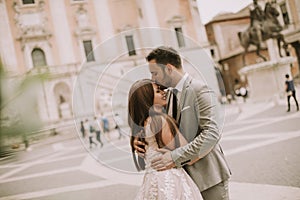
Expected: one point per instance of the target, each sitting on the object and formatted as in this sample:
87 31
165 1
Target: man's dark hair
165 55
287 76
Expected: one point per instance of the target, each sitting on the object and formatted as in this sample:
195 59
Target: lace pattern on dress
173 184
169 188
153 191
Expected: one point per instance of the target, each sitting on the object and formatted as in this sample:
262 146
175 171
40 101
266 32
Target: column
62 31
150 37
8 55
108 48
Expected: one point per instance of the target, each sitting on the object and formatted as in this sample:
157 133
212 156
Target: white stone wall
63 47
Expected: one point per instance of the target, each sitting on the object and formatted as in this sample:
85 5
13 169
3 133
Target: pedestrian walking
105 127
291 92
97 129
82 129
91 134
119 122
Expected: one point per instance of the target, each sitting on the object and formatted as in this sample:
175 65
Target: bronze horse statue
269 28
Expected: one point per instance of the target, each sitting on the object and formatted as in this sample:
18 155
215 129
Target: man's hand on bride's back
164 161
139 147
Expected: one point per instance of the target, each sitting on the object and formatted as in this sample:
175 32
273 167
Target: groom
196 116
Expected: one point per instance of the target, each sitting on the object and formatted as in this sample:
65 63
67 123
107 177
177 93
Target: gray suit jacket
198 124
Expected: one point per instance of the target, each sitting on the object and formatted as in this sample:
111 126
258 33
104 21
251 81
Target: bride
149 124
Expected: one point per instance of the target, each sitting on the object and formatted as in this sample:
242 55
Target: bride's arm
169 141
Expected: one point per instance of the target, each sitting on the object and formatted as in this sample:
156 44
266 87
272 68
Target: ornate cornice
84 27
31 21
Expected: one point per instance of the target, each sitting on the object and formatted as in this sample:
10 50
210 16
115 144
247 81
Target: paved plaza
260 140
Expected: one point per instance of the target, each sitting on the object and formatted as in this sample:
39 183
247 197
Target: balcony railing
68 69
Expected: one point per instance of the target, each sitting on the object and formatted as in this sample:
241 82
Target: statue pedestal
266 79
65 111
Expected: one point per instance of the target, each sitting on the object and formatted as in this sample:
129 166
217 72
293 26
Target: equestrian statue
264 25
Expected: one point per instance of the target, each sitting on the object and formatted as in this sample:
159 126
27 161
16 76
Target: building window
285 14
28 2
88 49
130 45
38 57
179 36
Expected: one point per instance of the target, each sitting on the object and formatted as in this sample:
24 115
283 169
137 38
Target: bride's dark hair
140 107
140 100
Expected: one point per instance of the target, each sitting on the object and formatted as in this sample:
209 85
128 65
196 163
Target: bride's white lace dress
172 184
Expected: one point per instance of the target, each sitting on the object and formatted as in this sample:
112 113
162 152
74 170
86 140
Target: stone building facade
61 37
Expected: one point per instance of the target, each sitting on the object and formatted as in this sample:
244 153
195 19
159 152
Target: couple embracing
175 137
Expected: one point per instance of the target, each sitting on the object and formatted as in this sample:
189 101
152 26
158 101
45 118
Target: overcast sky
209 8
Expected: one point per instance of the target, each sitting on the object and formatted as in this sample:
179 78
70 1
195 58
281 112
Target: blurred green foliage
19 107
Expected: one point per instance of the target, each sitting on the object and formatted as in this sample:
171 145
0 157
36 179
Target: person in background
105 127
291 92
119 122
97 129
91 134
82 129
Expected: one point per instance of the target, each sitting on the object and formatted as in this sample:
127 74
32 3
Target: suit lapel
183 96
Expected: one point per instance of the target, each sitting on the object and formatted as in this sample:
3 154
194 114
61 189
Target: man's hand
139 147
164 161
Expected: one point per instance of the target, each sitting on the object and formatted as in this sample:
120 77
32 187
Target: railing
67 69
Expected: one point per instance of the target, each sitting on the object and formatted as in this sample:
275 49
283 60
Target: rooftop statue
264 25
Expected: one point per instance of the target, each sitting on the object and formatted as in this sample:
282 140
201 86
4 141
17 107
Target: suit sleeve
207 112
